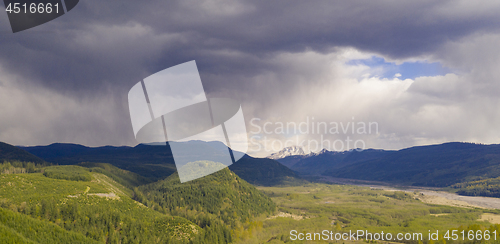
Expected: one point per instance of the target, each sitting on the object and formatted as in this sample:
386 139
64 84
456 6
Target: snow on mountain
311 154
288 151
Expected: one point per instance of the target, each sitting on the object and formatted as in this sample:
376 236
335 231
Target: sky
425 72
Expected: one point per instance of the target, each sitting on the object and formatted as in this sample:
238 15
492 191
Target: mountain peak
288 151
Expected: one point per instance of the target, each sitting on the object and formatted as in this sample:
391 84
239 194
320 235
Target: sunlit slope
121 176
100 209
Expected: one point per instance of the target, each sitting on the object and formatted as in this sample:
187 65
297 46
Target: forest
489 187
58 204
98 203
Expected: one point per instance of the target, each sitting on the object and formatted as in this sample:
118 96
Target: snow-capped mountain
322 151
288 151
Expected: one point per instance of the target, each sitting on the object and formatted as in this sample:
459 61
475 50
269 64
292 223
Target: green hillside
68 172
219 202
88 201
99 209
123 177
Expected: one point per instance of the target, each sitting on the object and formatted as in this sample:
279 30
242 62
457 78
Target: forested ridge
157 163
87 205
484 187
222 201
439 165
99 209
19 228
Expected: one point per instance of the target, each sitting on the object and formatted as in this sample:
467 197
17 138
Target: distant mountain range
156 162
434 165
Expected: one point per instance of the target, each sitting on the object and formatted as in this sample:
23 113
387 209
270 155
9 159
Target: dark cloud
102 48
118 42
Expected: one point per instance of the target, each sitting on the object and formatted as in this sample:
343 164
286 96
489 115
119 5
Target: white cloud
430 109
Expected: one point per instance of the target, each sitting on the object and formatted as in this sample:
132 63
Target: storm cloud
67 80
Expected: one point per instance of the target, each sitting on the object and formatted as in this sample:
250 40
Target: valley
249 122
340 208
436 195
310 207
254 201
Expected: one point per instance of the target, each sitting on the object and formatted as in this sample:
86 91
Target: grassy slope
32 190
69 172
123 177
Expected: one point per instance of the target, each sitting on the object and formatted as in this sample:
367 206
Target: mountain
290 161
149 161
288 151
312 163
223 194
318 163
434 165
156 162
12 153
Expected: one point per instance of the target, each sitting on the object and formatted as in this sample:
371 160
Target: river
434 194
